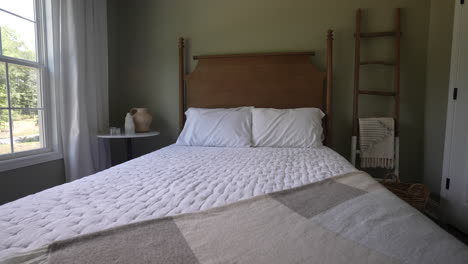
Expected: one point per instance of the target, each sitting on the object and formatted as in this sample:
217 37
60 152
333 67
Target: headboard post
181 83
328 108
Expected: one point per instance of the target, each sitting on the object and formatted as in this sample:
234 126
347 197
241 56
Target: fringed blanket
377 142
346 219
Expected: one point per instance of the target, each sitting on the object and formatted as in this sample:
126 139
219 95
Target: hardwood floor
456 233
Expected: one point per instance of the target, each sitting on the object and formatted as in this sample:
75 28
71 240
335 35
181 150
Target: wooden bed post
181 83
329 112
396 77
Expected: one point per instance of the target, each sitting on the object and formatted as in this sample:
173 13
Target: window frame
51 149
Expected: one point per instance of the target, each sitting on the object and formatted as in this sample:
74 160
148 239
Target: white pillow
217 127
295 128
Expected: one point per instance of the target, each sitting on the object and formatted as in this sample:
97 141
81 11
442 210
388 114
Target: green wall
18 183
143 68
143 55
438 71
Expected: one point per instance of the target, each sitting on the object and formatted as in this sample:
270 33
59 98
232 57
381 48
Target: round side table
128 139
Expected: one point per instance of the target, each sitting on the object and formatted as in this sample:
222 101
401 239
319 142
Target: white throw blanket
377 142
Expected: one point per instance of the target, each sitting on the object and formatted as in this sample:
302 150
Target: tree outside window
21 107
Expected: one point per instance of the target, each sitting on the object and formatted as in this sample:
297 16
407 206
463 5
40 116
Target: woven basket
415 194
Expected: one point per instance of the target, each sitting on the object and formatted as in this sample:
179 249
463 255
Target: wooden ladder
396 35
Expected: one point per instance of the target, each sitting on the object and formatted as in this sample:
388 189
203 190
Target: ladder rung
377 34
377 93
377 62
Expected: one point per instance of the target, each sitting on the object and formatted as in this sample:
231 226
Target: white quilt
170 181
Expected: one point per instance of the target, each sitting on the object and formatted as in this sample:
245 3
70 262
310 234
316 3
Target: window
24 106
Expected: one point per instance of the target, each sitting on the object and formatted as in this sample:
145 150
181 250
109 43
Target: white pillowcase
294 128
217 127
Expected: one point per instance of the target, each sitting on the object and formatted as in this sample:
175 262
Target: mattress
167 182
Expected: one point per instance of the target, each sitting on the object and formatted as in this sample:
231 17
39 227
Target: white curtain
80 58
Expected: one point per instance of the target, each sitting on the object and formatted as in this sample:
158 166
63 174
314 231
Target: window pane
24 8
3 89
18 37
26 129
5 146
24 86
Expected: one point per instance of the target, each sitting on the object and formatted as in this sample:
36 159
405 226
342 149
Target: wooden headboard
271 80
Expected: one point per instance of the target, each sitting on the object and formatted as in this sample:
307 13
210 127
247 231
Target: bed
185 204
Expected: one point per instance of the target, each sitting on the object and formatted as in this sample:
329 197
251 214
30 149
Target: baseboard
433 209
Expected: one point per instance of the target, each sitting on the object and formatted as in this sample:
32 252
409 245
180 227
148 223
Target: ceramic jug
142 119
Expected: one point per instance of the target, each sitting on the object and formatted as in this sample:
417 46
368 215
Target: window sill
19 162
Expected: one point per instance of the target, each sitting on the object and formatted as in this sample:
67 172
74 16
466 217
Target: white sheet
170 181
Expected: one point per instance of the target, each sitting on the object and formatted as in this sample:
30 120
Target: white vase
129 125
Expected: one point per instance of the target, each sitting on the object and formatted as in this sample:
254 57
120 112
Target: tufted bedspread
167 182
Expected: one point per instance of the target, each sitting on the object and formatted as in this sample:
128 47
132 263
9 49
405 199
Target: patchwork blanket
345 219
